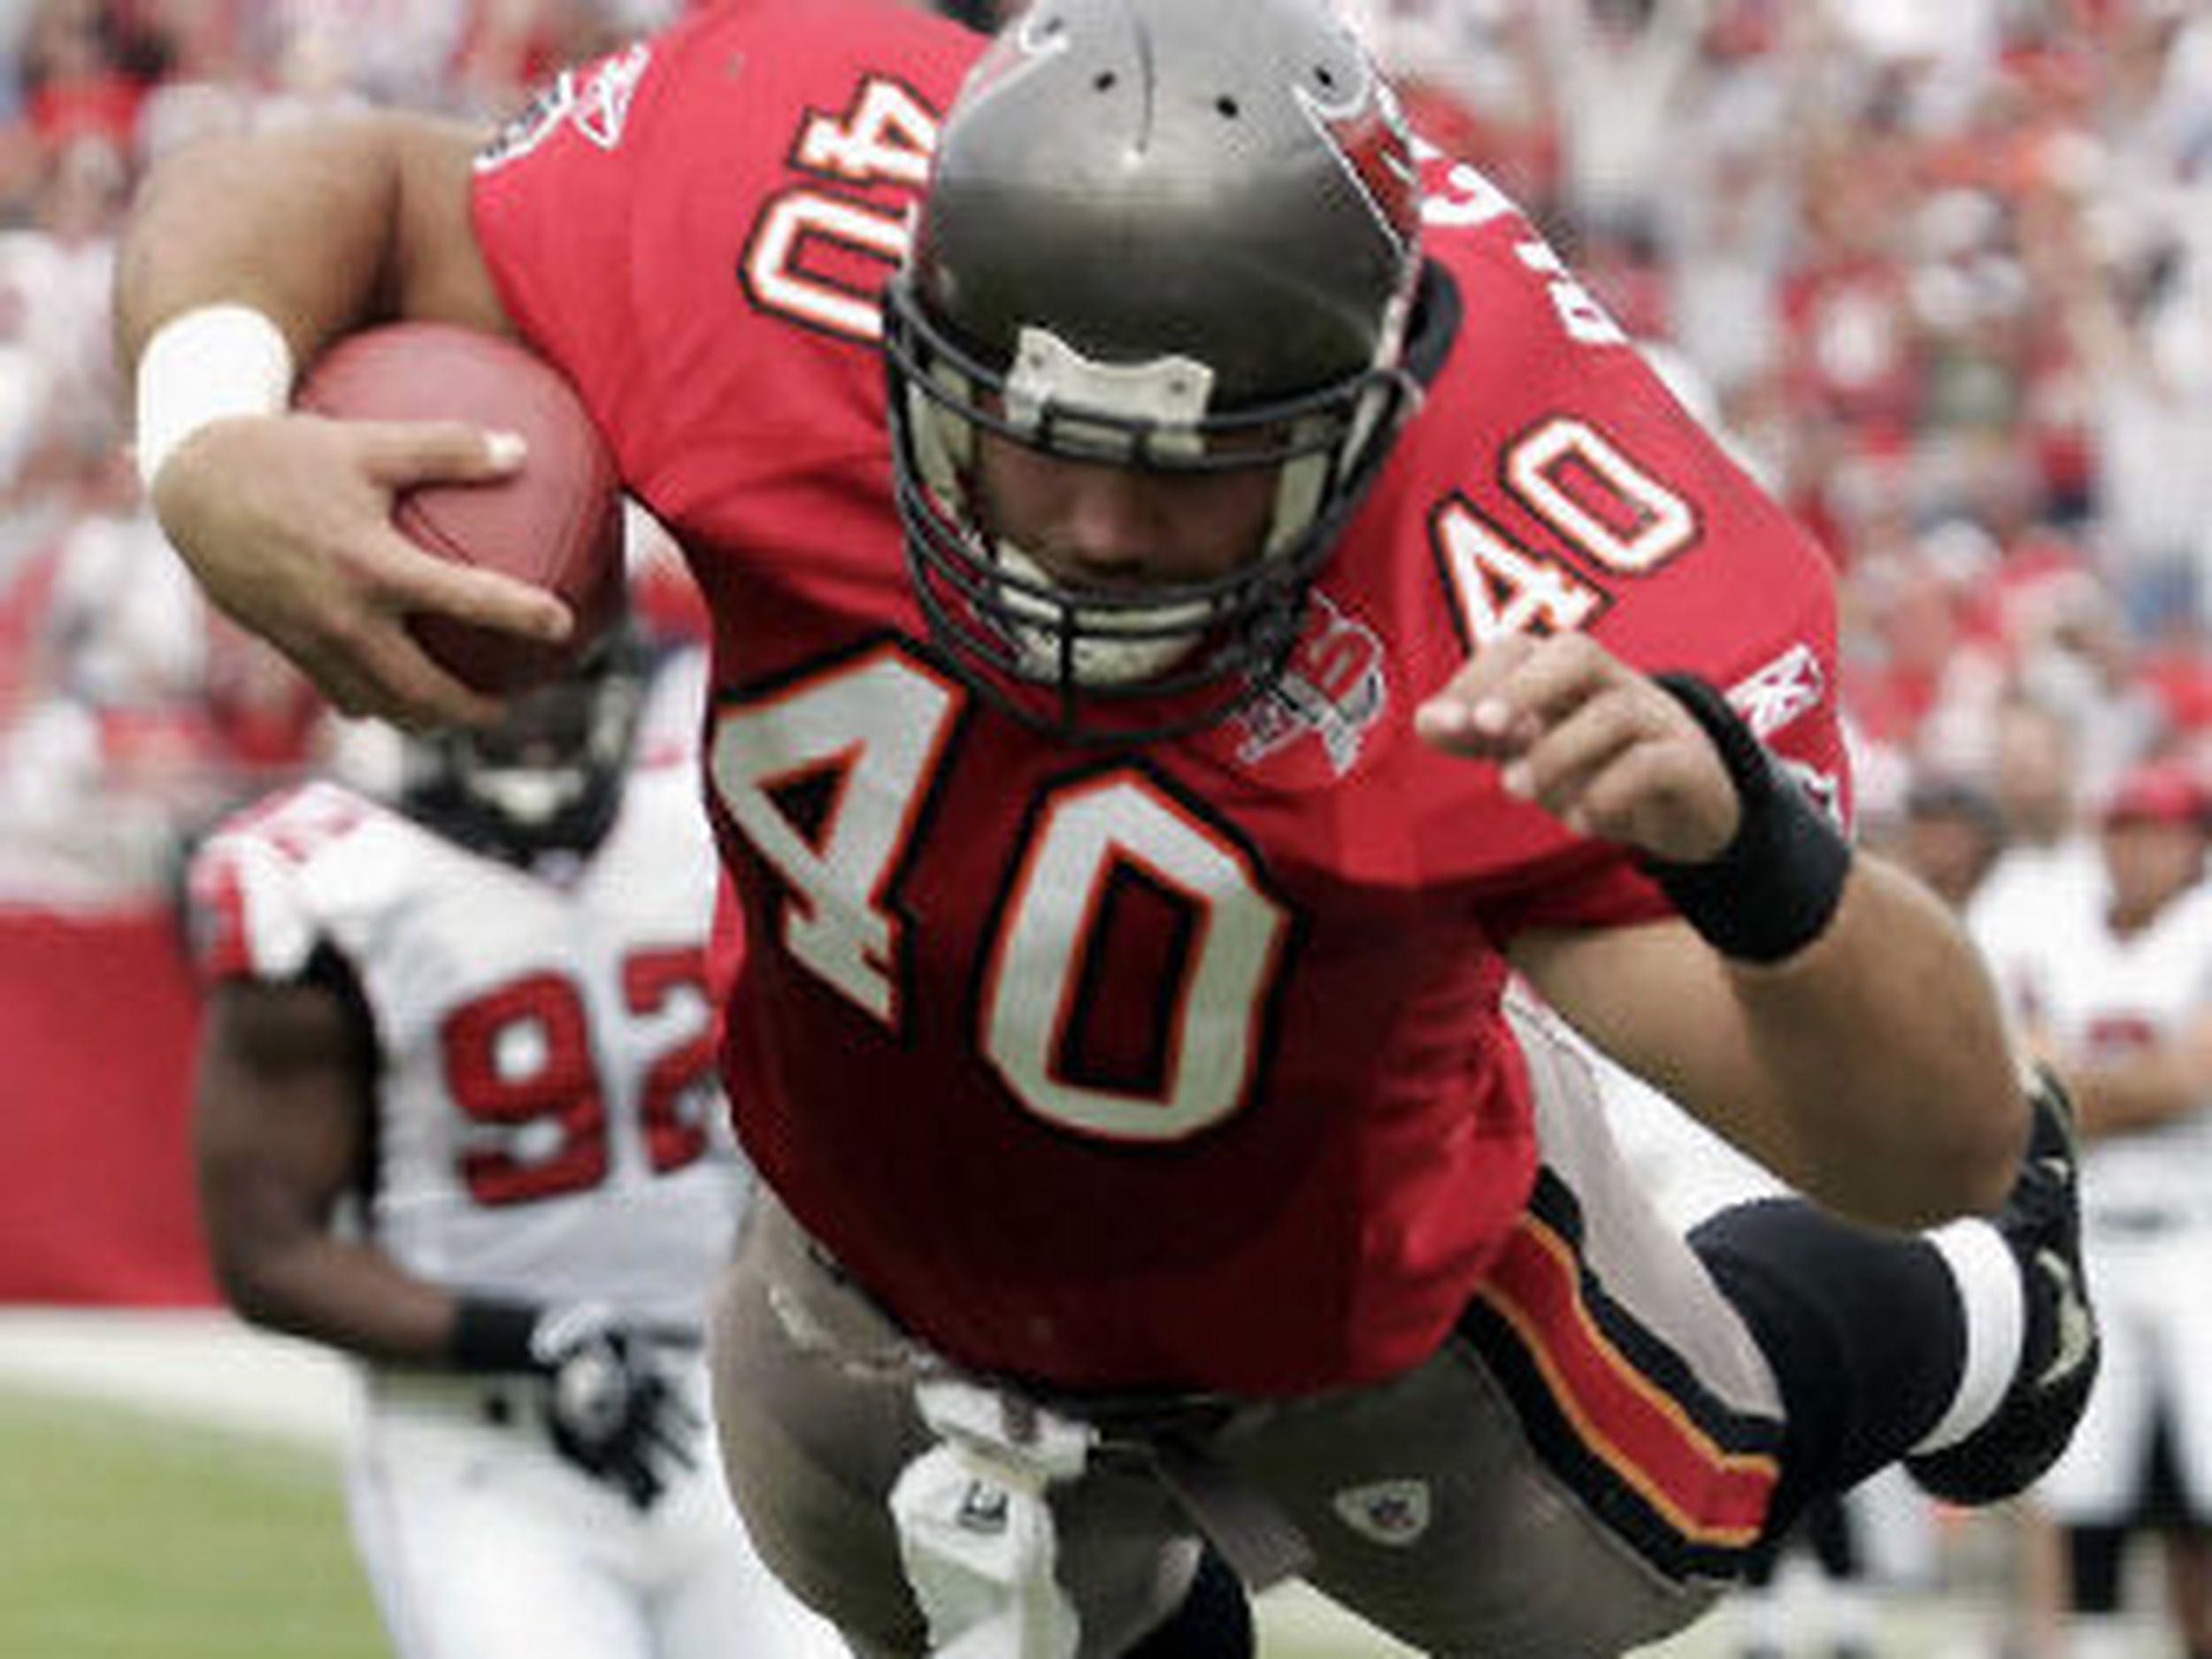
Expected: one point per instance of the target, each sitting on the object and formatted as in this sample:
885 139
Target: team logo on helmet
1040 33
1367 128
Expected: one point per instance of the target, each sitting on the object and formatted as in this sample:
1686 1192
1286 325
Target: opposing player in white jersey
2050 853
2113 977
457 1116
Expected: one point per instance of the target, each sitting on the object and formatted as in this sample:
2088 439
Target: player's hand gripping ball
556 522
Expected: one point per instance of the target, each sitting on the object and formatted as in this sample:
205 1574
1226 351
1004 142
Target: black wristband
491 1335
1774 888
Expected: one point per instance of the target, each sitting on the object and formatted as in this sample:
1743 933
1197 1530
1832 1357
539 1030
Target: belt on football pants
1163 1431
1167 1433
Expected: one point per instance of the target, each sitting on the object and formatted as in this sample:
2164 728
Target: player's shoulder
297 825
662 842
287 871
1570 415
662 783
1561 484
1517 299
778 142
322 847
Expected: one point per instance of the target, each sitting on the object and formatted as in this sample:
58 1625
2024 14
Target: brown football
557 522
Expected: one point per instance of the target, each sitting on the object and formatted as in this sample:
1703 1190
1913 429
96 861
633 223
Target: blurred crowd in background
129 716
1941 275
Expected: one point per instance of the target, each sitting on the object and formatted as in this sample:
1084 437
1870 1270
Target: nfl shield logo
1392 1512
982 1508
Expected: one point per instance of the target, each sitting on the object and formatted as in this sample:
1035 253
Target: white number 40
871 734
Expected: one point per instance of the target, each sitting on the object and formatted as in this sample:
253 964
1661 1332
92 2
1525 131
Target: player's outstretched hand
612 1410
1600 746
287 522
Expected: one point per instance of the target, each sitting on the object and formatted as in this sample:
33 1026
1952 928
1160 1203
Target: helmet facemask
994 604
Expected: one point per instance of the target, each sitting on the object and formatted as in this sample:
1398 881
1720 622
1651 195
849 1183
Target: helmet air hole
1225 107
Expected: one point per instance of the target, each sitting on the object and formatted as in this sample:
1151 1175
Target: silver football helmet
1165 235
547 779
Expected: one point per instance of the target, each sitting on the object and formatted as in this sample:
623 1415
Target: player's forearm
321 230
1883 1060
2142 1092
298 229
343 1295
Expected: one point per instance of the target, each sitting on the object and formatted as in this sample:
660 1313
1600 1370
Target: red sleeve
551 204
658 224
1653 539
1592 885
1564 488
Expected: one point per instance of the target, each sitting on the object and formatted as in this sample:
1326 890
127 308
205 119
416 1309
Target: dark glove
610 1409
613 1412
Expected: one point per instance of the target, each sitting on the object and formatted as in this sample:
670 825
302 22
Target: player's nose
1106 527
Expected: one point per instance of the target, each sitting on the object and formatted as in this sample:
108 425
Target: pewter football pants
1577 1471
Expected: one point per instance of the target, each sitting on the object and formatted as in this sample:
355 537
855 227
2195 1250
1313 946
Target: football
557 522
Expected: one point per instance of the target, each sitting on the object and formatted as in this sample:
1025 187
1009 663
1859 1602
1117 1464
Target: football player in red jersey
1266 649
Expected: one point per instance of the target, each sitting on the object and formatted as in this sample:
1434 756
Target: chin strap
975 1524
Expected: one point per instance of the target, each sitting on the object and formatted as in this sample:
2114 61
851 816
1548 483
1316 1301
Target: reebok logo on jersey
1334 689
531 125
596 100
1770 697
603 107
1392 1512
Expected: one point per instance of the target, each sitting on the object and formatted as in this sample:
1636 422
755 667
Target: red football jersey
1178 1067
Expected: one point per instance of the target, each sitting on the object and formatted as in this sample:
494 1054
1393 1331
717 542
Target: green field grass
129 1535
132 1536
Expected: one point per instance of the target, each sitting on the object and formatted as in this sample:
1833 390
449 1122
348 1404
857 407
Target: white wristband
206 365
